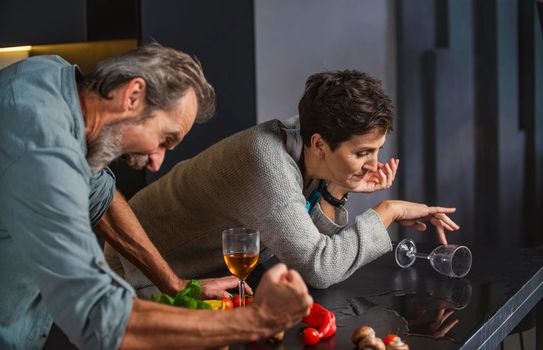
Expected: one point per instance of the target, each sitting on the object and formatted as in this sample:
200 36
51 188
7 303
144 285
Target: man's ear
318 145
134 95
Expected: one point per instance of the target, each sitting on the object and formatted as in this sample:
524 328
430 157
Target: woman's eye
362 154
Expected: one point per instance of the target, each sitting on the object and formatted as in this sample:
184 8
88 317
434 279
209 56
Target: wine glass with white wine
240 248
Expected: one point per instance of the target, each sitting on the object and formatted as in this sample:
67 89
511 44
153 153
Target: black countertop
502 286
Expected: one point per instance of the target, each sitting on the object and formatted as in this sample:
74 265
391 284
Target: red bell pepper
323 319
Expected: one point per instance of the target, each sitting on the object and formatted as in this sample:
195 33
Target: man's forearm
122 230
156 326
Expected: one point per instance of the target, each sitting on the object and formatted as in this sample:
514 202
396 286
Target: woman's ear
318 145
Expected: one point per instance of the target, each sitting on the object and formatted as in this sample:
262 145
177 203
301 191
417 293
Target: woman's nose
371 164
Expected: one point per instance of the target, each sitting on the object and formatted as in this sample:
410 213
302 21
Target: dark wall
221 35
331 35
111 20
470 123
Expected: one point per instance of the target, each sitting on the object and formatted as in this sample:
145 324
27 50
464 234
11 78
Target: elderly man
59 132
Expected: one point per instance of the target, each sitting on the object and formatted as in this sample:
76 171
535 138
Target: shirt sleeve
44 196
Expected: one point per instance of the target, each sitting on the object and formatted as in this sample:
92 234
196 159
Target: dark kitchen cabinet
36 22
26 22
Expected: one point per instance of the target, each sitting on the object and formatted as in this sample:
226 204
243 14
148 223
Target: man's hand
411 215
282 298
379 180
217 287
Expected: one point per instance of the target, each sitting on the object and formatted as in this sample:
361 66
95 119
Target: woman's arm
324 259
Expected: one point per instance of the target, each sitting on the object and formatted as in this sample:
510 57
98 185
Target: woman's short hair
338 105
168 74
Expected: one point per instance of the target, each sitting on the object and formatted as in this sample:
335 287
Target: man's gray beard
106 149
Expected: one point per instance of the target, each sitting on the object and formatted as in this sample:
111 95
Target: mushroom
371 343
361 333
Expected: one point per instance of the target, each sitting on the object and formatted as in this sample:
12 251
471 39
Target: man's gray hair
168 74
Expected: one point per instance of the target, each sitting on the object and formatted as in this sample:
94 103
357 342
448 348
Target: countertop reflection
428 310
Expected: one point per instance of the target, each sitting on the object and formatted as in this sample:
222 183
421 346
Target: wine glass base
405 253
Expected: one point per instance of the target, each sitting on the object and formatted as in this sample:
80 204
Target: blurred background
466 78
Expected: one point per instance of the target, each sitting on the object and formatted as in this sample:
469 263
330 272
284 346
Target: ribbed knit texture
249 179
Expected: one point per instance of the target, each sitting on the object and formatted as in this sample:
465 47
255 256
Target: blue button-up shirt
52 268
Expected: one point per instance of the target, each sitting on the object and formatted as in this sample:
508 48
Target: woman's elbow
318 281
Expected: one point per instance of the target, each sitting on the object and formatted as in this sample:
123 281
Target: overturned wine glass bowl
450 260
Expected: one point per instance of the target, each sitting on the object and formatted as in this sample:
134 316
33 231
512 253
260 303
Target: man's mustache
135 160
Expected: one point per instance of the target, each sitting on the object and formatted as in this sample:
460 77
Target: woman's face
353 158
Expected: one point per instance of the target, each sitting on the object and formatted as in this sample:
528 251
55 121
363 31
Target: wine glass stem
241 294
422 256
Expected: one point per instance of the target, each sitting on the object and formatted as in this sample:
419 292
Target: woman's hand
411 215
379 180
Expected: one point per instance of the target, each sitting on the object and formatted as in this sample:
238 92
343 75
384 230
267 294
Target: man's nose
155 160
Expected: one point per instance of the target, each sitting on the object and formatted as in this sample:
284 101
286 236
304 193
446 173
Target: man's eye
166 143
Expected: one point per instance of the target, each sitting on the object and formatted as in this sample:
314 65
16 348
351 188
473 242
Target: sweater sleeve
322 259
323 222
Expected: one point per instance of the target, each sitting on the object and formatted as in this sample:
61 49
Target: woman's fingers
447 227
441 234
437 222
448 221
390 175
446 315
448 327
383 178
394 165
417 225
436 210
375 178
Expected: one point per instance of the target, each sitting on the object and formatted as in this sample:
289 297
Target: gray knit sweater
250 179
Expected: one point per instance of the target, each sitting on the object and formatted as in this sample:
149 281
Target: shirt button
101 263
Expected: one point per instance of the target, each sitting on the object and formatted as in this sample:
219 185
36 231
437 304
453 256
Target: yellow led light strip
15 49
